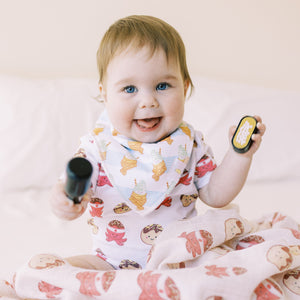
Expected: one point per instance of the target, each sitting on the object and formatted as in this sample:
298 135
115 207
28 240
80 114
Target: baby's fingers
62 206
260 125
261 128
231 131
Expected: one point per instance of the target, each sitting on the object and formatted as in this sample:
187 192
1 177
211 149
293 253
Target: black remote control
79 172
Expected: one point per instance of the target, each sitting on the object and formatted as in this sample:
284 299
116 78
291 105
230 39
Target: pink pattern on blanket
88 282
157 287
50 290
196 239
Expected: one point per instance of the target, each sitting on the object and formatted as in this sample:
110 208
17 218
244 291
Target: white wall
251 41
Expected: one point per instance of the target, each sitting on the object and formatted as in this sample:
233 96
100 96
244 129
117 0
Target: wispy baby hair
136 32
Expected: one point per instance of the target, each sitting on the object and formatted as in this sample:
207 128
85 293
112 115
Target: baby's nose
148 101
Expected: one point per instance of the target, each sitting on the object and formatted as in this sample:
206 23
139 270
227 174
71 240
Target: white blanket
218 255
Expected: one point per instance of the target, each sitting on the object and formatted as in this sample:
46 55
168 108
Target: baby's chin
150 138
144 136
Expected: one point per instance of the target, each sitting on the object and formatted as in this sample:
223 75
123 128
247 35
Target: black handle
79 172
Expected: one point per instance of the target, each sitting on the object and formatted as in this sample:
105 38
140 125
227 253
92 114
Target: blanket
218 255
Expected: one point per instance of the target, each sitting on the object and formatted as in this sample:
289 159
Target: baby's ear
186 87
102 92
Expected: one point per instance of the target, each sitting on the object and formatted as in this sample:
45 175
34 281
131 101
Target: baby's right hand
63 207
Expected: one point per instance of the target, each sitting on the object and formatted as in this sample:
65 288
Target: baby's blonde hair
136 32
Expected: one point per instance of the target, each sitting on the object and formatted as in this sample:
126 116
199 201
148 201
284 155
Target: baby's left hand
256 138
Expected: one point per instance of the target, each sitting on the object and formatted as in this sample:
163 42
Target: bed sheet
28 226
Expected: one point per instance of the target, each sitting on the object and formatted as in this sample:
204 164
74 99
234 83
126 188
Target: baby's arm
229 177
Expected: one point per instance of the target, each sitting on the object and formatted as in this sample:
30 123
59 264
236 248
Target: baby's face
144 95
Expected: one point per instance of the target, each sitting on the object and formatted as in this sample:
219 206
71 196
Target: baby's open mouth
148 123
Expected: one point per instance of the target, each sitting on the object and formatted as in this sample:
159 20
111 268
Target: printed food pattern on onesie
115 231
95 228
185 179
187 200
204 165
150 233
102 178
121 208
80 153
167 202
129 265
96 207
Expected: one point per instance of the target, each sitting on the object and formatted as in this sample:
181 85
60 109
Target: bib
143 173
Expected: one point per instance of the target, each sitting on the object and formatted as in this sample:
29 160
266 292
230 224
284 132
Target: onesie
138 189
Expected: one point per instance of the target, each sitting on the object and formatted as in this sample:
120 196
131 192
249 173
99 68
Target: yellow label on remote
244 132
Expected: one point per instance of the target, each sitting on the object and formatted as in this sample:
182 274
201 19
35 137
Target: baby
145 158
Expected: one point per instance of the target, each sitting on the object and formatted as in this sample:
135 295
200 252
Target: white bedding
42 120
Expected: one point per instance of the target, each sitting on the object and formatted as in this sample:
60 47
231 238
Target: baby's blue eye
162 86
130 89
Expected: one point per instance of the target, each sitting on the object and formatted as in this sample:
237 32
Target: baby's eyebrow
125 81
130 80
170 77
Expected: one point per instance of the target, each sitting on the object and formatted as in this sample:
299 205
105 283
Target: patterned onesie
140 188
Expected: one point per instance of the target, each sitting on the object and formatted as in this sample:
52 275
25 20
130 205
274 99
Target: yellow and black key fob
241 140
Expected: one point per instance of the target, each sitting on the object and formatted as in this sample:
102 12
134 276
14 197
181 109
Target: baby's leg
89 262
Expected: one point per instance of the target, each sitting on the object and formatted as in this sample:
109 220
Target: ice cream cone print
137 146
97 130
138 200
95 227
158 170
159 165
127 164
115 132
182 154
102 155
80 153
139 195
185 129
169 140
103 149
